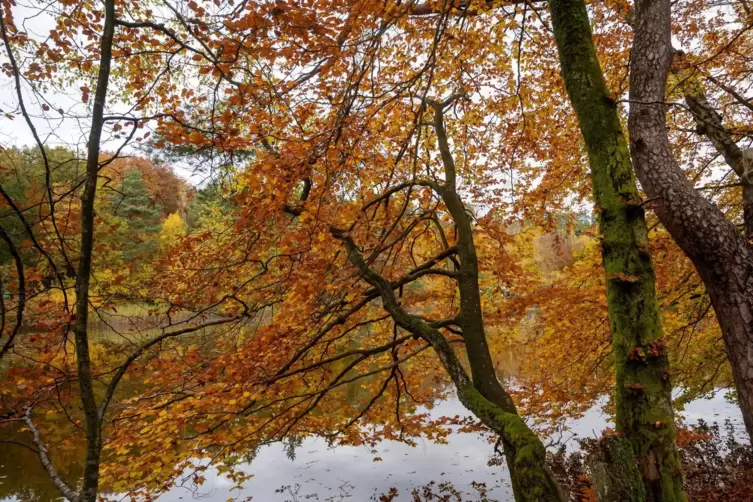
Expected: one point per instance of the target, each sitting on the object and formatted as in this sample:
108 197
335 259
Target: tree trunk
525 455
643 390
614 474
532 481
530 477
722 256
93 419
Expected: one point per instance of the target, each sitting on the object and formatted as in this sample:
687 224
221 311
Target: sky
70 130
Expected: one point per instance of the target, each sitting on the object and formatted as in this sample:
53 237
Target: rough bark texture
643 393
720 253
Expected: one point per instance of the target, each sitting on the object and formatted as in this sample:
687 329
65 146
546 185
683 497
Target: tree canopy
530 205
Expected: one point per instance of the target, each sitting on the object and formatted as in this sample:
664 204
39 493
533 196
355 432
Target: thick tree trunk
722 256
614 474
643 393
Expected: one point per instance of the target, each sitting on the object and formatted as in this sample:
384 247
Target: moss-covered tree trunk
643 394
532 480
525 454
615 476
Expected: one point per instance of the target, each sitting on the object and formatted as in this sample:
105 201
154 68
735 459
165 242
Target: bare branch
59 483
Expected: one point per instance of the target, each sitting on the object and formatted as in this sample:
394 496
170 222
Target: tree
172 229
644 400
134 203
56 227
303 264
719 251
473 331
208 199
363 237
168 191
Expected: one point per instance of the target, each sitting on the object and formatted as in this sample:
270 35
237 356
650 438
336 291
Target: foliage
173 228
717 465
210 202
134 205
394 188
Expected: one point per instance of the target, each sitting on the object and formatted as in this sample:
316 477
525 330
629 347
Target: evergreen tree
134 204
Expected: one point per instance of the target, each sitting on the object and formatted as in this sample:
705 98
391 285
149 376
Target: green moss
643 394
615 476
526 455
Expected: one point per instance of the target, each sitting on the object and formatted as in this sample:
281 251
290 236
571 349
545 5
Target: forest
510 239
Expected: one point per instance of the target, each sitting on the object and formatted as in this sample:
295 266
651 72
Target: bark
643 390
93 423
470 317
44 458
92 419
722 256
471 322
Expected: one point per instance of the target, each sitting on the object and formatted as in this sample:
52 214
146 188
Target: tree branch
59 483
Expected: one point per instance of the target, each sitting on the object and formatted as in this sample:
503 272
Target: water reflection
319 473
22 477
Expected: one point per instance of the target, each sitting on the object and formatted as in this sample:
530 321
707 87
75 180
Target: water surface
320 473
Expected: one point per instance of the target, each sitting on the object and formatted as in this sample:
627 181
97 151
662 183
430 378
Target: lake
320 473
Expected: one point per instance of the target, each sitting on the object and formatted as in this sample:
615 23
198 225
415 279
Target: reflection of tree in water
292 493
440 492
433 491
290 444
22 475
